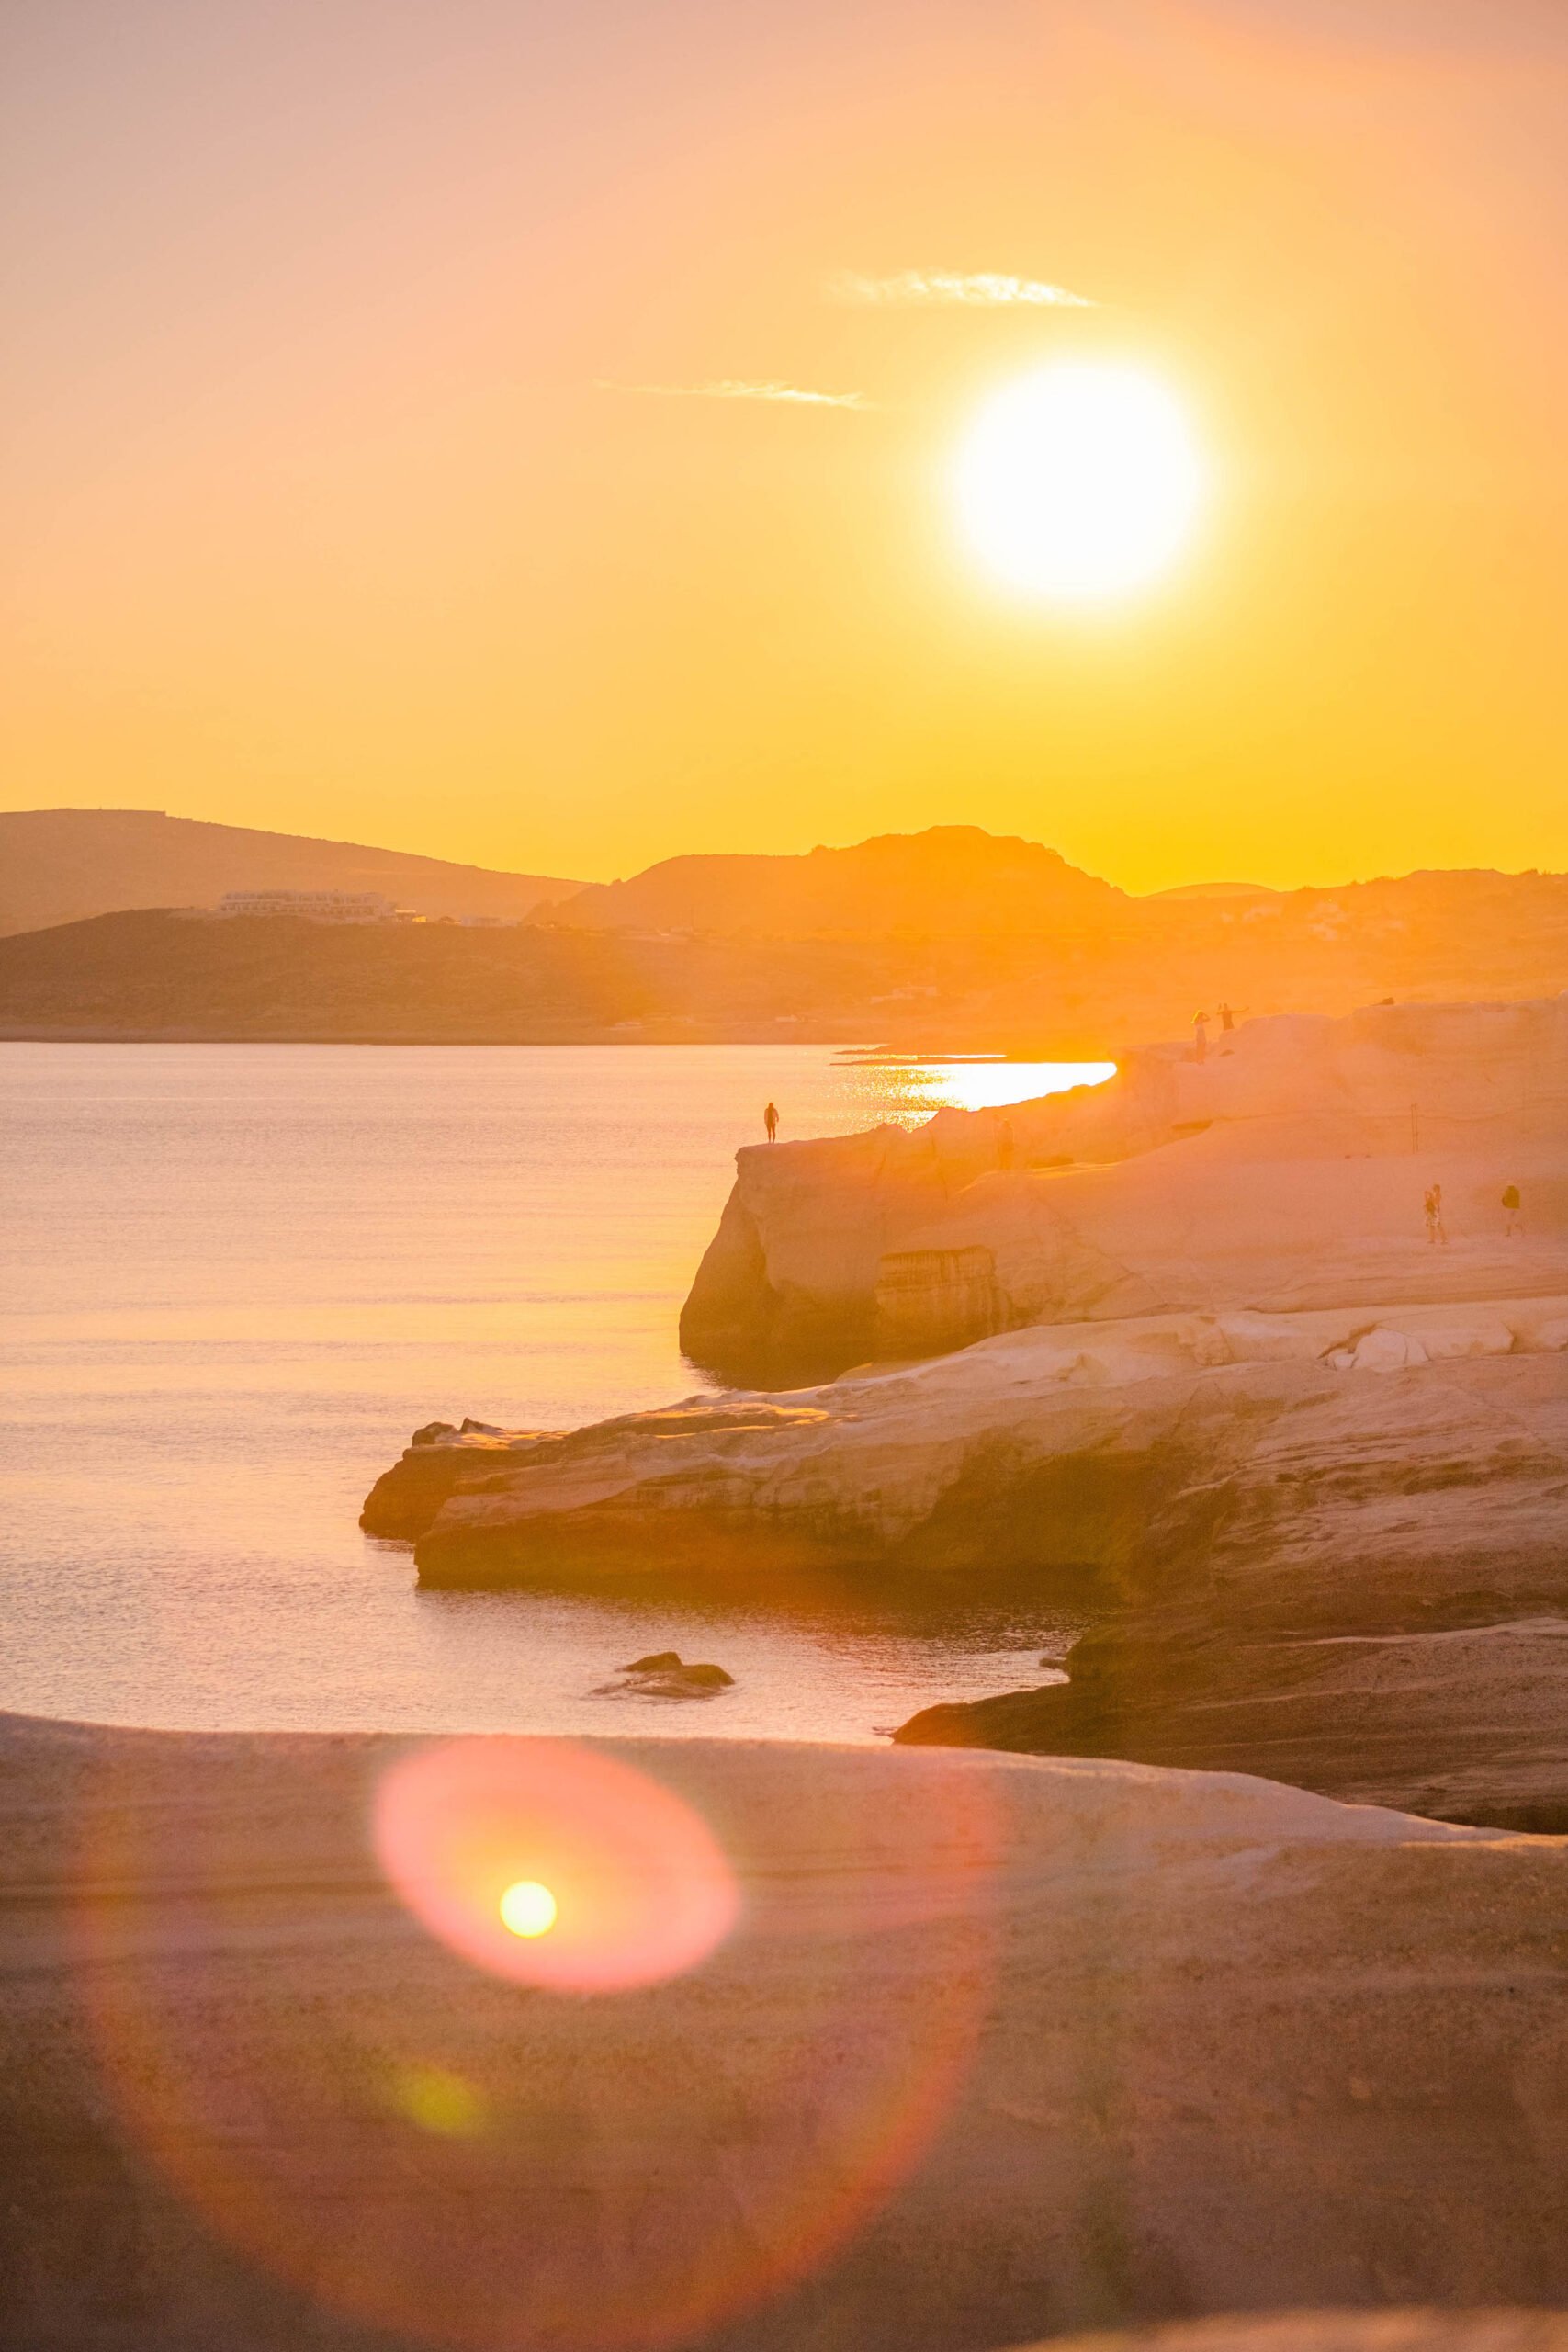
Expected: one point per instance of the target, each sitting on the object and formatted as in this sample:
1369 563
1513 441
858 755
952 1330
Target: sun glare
633 1887
528 1909
1079 482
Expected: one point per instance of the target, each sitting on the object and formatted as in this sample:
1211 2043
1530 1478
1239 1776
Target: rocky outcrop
1379 1606
1304 1468
1328 1546
994 2050
1284 1171
440 1460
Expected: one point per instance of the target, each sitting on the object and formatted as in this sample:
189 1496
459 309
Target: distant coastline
951 941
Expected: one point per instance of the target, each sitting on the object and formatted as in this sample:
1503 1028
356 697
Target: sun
1079 482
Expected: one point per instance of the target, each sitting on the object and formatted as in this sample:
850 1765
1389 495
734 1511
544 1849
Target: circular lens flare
623 1884
550 2160
1079 482
528 1909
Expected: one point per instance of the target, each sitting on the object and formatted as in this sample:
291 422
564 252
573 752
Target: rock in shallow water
667 1676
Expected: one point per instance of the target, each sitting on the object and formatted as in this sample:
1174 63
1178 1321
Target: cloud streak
732 387
947 289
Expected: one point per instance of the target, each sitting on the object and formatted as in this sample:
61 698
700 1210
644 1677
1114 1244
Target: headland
1242 1355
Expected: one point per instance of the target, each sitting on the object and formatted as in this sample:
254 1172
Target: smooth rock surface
1353 1577
1377 1607
996 2050
1329 2330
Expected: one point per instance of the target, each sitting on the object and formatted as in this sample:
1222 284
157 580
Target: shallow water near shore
240 1275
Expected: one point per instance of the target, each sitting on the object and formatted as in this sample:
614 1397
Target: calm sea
236 1278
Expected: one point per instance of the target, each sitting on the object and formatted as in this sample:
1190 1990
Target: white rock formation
1286 1172
1304 1468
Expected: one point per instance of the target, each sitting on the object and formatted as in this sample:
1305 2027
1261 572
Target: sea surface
236 1277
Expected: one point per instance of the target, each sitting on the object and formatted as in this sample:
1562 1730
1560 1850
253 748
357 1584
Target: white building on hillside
316 906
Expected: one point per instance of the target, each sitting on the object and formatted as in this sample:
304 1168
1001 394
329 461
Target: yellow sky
342 503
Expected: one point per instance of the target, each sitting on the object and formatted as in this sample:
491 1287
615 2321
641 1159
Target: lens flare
550 2163
552 1865
528 1909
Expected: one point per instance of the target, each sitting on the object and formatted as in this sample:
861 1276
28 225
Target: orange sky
322 518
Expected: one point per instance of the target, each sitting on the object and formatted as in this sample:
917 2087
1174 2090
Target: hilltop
949 882
59 866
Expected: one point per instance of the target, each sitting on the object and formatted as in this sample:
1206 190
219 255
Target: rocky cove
1176 1352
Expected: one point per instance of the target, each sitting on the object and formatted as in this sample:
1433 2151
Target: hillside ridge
60 865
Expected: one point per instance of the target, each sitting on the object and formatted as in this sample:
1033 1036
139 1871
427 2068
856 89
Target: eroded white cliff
1287 1170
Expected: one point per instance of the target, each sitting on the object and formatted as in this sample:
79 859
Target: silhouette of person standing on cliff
770 1121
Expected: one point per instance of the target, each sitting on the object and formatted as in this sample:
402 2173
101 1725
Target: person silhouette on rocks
770 1121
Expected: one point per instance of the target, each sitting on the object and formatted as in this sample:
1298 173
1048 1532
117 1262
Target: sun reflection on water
977 1082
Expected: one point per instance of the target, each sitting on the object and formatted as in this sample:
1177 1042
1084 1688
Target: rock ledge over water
1305 1469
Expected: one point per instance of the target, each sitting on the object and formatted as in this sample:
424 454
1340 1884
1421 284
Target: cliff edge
1285 1171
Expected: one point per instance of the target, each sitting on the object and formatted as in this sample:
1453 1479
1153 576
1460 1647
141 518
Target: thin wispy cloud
948 289
732 387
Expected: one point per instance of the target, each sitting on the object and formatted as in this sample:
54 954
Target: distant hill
952 882
148 973
60 864
1081 985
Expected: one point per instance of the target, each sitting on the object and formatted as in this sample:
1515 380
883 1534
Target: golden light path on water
983 1082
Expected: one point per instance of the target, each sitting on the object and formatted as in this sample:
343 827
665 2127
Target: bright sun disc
1078 481
528 1909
